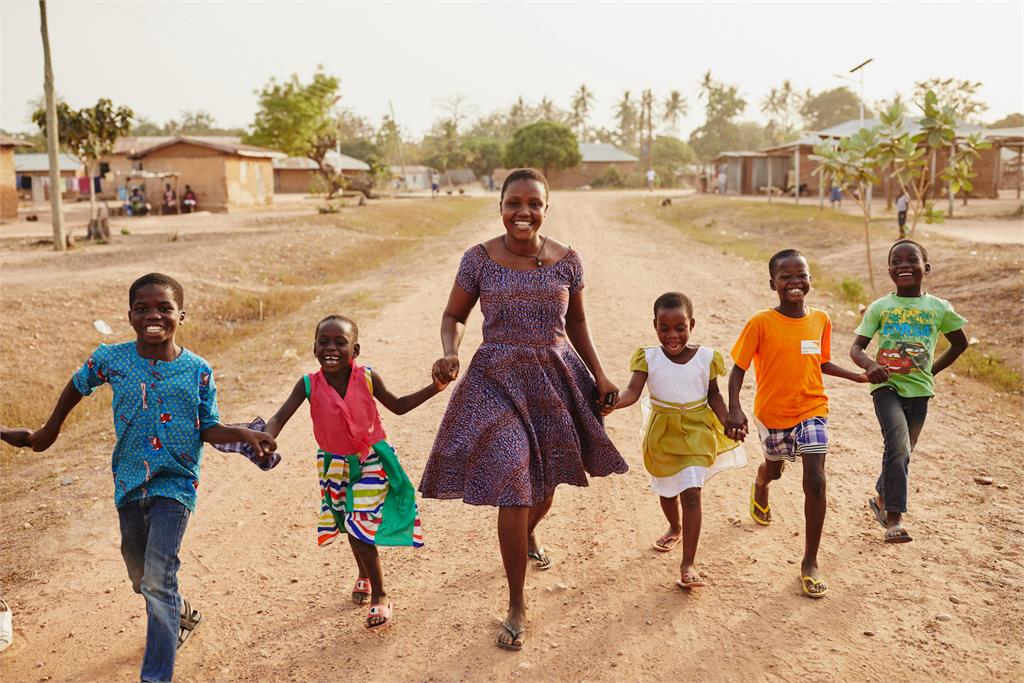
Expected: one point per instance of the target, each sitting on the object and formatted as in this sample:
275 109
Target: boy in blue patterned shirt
165 407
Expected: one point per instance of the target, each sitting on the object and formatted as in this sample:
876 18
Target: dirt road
947 606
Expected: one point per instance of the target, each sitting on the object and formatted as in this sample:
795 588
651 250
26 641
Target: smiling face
907 268
155 314
523 208
792 280
336 345
673 326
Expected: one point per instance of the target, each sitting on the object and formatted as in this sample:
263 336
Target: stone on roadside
943 617
984 481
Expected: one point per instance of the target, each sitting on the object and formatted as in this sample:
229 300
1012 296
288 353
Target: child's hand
261 442
43 438
19 438
736 425
440 384
607 394
877 374
445 369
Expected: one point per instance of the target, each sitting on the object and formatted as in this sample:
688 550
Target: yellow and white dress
684 444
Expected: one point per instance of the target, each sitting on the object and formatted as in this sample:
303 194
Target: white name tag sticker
809 347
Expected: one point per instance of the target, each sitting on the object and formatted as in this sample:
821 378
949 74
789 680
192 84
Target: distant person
684 441
140 207
490 183
170 200
435 185
650 179
164 409
902 374
902 204
703 182
189 199
835 197
790 349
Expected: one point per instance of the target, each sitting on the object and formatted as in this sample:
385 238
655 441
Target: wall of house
250 182
585 173
295 180
8 191
204 173
120 165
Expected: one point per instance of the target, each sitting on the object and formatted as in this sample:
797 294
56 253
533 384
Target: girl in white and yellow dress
684 442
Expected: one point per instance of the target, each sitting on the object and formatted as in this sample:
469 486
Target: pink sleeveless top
345 426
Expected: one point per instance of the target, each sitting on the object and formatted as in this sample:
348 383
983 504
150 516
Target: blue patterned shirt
159 408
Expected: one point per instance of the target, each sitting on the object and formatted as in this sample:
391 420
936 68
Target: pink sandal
379 611
361 588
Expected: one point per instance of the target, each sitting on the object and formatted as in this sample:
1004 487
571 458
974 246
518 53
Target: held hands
19 438
876 374
607 395
445 370
736 425
260 442
43 438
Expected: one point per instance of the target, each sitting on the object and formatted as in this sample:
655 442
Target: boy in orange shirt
790 348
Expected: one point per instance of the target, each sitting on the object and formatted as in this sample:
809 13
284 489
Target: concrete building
224 175
301 174
598 157
416 177
8 177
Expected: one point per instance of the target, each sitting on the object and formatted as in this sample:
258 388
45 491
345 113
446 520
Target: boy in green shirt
908 324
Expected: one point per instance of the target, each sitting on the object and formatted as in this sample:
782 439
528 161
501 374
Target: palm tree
625 114
581 101
547 110
707 84
675 106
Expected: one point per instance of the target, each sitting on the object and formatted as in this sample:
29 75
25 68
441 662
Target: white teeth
154 328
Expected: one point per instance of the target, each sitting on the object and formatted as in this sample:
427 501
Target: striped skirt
369 494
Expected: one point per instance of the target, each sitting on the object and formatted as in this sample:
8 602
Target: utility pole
52 139
398 141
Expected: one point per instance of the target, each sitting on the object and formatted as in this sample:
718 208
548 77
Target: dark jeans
151 533
901 420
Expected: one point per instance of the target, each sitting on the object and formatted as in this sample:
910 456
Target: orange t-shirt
787 355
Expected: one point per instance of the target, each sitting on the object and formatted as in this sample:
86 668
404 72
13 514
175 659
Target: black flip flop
190 619
879 512
515 636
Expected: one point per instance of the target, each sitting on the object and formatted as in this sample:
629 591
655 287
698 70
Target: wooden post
796 192
771 190
821 190
52 139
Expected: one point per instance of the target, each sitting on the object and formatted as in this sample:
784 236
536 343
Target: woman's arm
402 405
44 437
287 409
453 327
579 334
957 344
631 394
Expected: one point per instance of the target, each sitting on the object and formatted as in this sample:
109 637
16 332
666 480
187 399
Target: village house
412 177
8 177
224 174
32 176
301 174
598 157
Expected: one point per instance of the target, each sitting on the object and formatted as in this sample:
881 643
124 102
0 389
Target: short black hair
161 280
524 174
920 247
672 300
341 319
785 253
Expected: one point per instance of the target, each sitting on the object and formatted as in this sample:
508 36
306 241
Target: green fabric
305 383
907 329
398 513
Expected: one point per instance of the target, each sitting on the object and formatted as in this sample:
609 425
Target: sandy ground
946 607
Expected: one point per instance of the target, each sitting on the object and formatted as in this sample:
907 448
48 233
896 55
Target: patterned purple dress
522 419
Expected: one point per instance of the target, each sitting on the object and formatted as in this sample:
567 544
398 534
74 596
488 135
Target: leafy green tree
960 96
670 157
89 134
831 107
1009 121
300 120
913 157
718 132
145 126
853 164
483 155
582 100
546 145
675 107
442 147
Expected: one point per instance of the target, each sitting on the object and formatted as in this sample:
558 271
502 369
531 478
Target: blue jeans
901 420
151 533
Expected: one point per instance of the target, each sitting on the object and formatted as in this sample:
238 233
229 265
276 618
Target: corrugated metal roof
227 145
848 128
35 162
340 162
601 151
8 141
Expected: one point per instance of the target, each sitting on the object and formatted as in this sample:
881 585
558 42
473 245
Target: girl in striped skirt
364 490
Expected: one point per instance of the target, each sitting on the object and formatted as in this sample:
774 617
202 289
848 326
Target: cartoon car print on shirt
904 358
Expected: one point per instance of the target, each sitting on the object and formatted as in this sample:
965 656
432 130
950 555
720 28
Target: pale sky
161 58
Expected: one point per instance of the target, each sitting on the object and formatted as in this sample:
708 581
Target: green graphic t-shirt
907 328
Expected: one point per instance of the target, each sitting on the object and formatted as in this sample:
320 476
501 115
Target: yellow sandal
755 508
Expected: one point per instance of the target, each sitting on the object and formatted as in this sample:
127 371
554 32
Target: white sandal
6 628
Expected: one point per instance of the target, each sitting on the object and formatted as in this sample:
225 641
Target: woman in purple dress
527 415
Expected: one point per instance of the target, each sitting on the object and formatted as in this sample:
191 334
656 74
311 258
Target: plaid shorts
810 437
